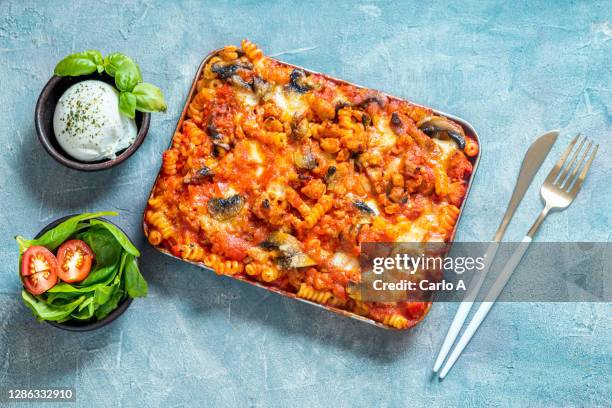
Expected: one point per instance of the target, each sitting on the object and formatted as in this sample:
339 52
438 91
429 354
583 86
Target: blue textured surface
513 69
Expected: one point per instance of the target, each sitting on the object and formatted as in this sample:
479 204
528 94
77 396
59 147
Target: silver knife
535 156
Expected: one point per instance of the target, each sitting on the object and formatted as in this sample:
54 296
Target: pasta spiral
253 53
396 320
222 267
309 293
324 204
159 220
169 162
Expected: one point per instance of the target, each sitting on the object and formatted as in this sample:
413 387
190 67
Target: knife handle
464 308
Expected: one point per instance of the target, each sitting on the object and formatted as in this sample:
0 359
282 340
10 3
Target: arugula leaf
135 284
57 235
119 236
46 311
113 61
149 98
80 63
127 104
127 76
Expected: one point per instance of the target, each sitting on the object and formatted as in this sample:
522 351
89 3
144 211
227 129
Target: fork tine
572 176
583 174
555 170
572 160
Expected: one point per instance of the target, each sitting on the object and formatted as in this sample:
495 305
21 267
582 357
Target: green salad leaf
113 277
45 311
57 235
102 243
149 98
135 284
80 63
119 236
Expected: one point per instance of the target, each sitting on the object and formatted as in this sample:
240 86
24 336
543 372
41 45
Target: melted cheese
384 136
290 102
446 147
247 98
344 262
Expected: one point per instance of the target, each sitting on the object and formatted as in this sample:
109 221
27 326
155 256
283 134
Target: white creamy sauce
87 122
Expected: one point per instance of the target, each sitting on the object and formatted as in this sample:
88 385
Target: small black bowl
81 326
45 108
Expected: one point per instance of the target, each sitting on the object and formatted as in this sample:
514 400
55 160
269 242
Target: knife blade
535 156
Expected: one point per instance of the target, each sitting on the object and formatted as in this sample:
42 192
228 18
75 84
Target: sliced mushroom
296 81
212 131
260 87
199 177
299 128
329 175
442 128
223 209
305 159
227 70
364 208
371 98
238 81
290 254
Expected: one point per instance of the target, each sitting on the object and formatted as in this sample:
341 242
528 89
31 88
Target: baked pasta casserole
277 175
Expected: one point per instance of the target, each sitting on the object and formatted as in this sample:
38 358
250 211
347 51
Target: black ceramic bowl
76 325
45 108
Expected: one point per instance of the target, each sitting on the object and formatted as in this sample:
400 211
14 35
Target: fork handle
466 305
536 225
488 303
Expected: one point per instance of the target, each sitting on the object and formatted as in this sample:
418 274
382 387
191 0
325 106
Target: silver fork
558 191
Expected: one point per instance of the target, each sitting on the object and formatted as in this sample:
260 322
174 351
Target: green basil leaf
112 62
127 104
57 235
119 236
149 98
135 284
46 311
80 63
127 76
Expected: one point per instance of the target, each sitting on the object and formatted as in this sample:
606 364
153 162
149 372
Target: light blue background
513 69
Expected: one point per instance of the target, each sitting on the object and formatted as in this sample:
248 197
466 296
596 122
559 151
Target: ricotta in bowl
88 124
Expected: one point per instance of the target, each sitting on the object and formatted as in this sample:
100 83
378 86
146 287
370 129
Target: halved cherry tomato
38 270
74 258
